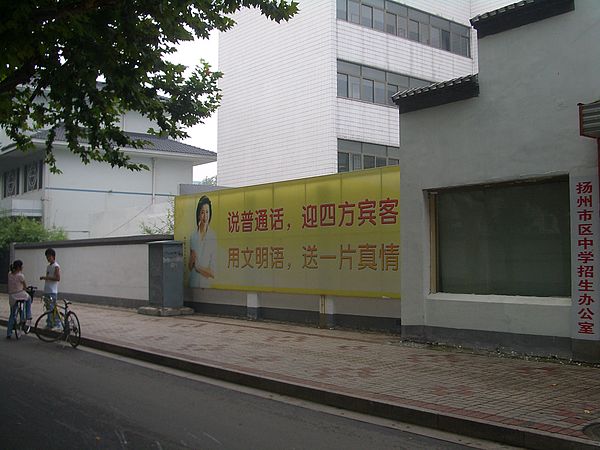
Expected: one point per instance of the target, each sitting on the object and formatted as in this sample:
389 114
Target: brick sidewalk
536 404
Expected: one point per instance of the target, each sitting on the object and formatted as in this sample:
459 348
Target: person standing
51 280
16 292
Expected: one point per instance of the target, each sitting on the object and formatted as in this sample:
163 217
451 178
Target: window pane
354 87
393 152
391 90
418 16
367 90
341 9
402 27
343 162
373 74
415 83
378 19
390 23
380 93
397 79
455 43
413 30
342 85
459 29
349 146
464 46
435 37
374 3
349 68
374 149
366 16
440 23
380 162
11 183
395 8
356 162
369 162
424 33
505 240
445 42
353 11
32 177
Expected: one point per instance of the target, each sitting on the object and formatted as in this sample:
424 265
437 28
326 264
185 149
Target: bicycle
69 322
21 323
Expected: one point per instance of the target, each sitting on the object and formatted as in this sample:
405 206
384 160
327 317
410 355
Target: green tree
24 229
165 225
53 52
210 181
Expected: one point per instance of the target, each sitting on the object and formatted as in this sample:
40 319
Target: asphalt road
56 397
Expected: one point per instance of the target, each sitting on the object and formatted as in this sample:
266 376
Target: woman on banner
203 247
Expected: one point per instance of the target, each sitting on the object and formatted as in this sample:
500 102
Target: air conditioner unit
589 119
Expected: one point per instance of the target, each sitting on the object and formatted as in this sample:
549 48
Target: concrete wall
523 125
72 200
326 311
110 271
277 109
114 271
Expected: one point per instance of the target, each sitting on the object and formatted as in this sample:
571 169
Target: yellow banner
330 235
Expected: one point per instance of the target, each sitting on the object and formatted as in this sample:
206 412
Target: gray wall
111 271
523 125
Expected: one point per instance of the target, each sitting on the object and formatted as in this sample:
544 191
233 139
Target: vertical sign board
330 235
585 251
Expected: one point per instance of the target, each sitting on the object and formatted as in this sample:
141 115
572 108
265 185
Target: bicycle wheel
42 332
24 324
72 329
16 324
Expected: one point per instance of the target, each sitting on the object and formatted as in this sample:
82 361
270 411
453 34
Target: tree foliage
24 229
209 181
164 225
53 52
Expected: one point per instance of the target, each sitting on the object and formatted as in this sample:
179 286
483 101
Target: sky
202 135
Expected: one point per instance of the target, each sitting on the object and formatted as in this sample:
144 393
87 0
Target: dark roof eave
437 94
519 14
157 144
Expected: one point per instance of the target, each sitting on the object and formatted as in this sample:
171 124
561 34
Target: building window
507 239
405 22
372 85
10 183
33 176
353 155
342 9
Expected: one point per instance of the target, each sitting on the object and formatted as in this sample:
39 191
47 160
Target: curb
515 436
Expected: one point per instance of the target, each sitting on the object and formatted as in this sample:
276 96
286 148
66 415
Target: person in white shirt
51 279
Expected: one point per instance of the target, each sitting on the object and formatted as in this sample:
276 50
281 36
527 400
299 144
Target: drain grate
592 431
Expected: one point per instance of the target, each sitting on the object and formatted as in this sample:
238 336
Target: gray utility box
165 262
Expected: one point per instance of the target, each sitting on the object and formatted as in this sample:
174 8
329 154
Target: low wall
109 271
114 271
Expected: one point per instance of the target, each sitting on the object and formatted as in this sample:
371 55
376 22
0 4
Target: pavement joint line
307 390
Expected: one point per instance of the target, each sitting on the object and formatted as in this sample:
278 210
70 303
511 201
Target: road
56 397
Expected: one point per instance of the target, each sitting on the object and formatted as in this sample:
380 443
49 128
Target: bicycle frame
54 314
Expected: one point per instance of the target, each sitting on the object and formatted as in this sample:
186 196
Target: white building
313 96
499 192
96 200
